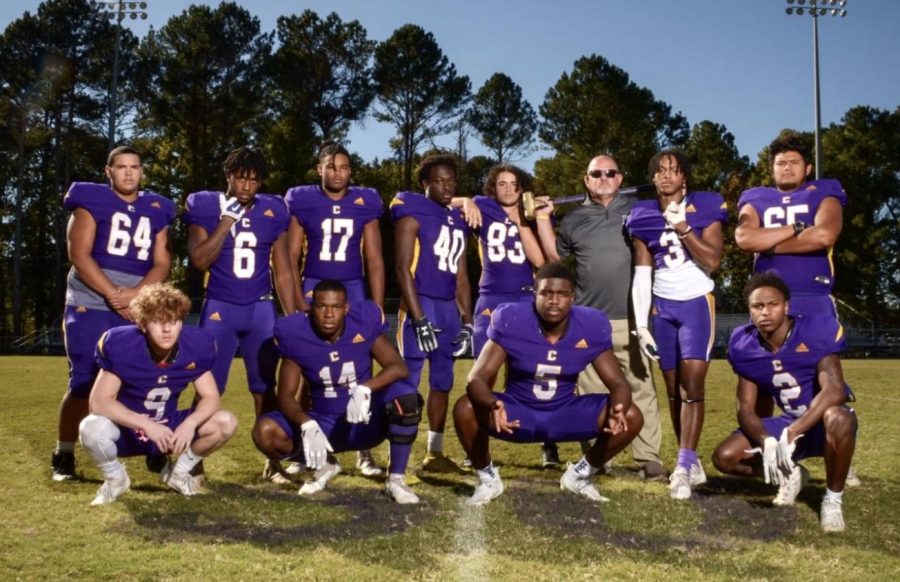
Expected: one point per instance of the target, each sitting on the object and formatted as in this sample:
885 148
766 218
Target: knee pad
404 414
98 436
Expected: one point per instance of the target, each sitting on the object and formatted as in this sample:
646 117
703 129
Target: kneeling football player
134 401
793 360
330 349
546 344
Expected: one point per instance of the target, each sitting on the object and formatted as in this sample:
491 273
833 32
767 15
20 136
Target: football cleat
680 484
400 492
467 462
487 489
63 465
156 463
852 479
185 483
274 472
831 516
439 463
111 489
698 475
365 462
653 471
320 478
790 487
549 455
580 485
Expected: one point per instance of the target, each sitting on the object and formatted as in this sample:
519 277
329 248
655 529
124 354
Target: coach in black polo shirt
593 233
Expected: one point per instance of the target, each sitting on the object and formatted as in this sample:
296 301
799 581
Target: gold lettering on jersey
334 356
551 355
335 209
776 364
162 380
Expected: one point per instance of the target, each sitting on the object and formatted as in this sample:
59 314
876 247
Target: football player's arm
374 261
830 378
752 237
463 291
748 419
281 271
705 249
405 231
208 403
820 235
481 378
80 238
162 265
393 367
289 377
530 243
546 234
203 247
607 366
104 402
470 210
296 238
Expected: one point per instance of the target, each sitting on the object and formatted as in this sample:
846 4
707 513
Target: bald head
603 179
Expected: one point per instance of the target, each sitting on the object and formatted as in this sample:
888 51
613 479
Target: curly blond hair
159 302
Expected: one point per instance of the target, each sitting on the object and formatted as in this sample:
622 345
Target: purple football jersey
148 387
241 273
542 375
334 229
803 273
126 231
331 368
504 267
788 375
645 222
440 243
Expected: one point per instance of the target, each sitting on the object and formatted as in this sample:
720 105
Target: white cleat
698 475
111 489
487 489
680 484
831 516
580 485
320 478
852 479
399 491
791 487
365 462
185 483
274 472
295 468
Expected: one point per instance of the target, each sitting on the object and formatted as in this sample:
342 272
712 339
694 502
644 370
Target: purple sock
399 458
687 458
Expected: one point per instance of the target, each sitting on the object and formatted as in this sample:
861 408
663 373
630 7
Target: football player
430 263
134 402
331 347
794 360
546 344
334 234
238 237
677 241
118 243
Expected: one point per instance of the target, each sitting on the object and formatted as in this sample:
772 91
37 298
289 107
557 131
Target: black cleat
155 463
63 465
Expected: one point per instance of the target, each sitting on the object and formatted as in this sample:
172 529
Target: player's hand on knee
785 452
616 423
426 335
769 452
499 420
160 435
315 444
182 438
647 343
675 213
359 403
463 345
233 209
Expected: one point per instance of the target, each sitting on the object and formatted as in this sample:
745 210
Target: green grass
248 528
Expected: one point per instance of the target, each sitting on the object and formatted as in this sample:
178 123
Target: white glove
358 405
315 444
233 209
464 343
769 452
785 453
647 343
674 213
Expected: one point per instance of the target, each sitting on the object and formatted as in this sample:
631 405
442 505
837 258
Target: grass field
246 528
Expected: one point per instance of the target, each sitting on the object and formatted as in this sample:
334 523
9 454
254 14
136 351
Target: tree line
211 79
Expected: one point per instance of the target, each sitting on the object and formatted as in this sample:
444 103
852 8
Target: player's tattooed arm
284 279
748 419
374 261
820 235
288 392
752 237
295 240
393 367
405 231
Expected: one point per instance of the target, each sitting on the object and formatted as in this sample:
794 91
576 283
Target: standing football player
794 360
546 345
677 241
118 243
134 402
235 236
430 263
334 232
331 347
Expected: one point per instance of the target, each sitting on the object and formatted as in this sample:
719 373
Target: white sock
836 496
397 478
584 469
435 442
186 461
113 470
489 473
65 447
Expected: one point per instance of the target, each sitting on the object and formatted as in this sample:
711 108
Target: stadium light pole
817 8
117 12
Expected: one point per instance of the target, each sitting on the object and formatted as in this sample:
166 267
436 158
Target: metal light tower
118 11
817 8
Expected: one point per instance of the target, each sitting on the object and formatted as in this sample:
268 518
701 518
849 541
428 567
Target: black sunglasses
600 173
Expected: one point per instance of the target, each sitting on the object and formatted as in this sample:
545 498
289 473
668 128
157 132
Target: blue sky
742 63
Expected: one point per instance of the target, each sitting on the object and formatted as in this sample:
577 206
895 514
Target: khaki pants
636 368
